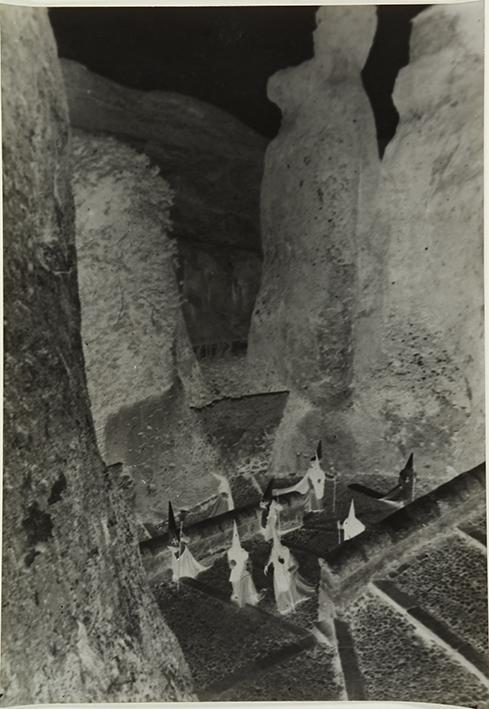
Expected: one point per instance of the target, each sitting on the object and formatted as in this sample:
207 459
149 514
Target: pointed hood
173 533
236 552
319 451
351 514
268 494
236 543
407 473
352 525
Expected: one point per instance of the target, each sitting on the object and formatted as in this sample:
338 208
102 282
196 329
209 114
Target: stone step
353 678
218 638
448 579
250 671
477 663
400 659
310 675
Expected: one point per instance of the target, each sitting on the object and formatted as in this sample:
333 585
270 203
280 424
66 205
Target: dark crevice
389 53
57 490
37 525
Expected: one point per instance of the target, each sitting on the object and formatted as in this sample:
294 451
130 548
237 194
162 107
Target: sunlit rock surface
78 624
370 307
213 164
319 179
133 335
418 337
141 370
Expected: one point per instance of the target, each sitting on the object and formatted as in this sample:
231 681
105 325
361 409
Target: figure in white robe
272 526
352 525
289 588
244 590
184 564
311 485
224 501
316 477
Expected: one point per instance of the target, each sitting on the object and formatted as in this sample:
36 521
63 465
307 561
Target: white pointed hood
236 551
352 525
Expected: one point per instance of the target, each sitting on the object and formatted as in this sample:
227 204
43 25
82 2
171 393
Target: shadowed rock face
163 443
78 624
213 164
370 308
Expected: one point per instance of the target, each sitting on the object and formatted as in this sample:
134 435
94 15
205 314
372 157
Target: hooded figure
352 525
270 518
272 528
400 495
311 485
316 478
182 561
289 588
244 591
407 480
224 501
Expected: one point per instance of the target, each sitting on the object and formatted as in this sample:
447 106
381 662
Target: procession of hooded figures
290 589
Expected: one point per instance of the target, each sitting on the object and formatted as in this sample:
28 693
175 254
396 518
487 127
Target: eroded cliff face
78 623
319 178
370 307
418 339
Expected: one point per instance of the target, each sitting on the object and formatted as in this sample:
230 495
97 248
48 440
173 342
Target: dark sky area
223 55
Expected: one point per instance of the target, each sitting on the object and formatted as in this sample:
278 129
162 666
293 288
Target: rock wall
132 325
142 374
165 447
319 178
370 308
213 164
418 342
219 287
78 622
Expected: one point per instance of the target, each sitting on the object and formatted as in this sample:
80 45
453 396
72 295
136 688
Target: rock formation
213 164
418 341
141 371
131 319
370 307
319 178
78 623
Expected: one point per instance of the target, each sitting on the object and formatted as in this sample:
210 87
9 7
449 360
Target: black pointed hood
319 450
173 533
268 494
